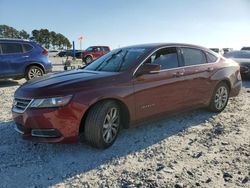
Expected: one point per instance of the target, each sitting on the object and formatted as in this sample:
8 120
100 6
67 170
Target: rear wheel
102 124
33 72
220 98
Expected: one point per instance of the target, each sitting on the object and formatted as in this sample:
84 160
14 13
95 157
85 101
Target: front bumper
50 125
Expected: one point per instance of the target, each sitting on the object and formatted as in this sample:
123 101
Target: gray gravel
191 149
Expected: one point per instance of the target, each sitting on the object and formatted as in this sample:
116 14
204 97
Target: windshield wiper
107 60
122 61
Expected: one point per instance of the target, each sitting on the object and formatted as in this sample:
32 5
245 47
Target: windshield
117 60
89 49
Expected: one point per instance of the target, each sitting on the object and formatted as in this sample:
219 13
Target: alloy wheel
111 125
221 97
34 73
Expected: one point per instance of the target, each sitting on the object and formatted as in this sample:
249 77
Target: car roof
97 46
159 45
14 40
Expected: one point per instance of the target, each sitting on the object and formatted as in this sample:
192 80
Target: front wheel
102 124
33 72
220 98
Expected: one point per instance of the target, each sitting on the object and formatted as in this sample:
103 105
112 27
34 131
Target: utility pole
80 39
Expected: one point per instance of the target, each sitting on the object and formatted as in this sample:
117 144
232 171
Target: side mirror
148 69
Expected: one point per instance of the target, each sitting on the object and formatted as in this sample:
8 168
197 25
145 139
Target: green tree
45 38
23 34
53 39
8 32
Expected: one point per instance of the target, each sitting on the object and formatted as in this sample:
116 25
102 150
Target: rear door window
11 48
193 56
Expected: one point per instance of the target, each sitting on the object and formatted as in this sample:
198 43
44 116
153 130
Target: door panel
197 76
17 63
13 57
4 66
159 93
199 85
97 53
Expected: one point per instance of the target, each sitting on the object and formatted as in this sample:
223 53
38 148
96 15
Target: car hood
242 61
62 83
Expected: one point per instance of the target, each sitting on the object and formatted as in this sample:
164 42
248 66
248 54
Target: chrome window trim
136 69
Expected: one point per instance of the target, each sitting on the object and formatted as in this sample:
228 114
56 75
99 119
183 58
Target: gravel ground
191 149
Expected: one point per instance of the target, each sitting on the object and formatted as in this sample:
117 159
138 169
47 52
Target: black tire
37 72
94 129
214 105
88 60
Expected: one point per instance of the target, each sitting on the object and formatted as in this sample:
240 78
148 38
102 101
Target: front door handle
178 74
210 69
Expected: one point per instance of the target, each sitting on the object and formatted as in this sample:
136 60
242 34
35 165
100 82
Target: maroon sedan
122 88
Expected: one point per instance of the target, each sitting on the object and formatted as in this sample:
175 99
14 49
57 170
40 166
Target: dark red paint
143 96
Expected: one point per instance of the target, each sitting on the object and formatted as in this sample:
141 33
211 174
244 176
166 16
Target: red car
94 52
122 88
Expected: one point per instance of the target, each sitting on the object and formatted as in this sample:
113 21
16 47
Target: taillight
45 52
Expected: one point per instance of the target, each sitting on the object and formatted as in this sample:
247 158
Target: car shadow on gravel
8 83
32 164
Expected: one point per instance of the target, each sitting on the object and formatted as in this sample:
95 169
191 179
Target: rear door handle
25 56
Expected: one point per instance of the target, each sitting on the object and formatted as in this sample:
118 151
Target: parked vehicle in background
226 50
23 59
122 88
53 53
218 50
243 58
246 48
62 53
94 52
78 53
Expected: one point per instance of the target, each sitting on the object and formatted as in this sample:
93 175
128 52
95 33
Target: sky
117 23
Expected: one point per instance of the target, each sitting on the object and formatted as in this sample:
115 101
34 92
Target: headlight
51 102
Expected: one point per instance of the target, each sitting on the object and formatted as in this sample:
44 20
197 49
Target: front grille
20 105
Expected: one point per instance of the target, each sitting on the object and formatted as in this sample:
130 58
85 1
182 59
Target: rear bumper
235 90
48 68
50 125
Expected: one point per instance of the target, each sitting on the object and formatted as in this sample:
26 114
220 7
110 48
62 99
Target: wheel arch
125 115
88 55
227 75
34 64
